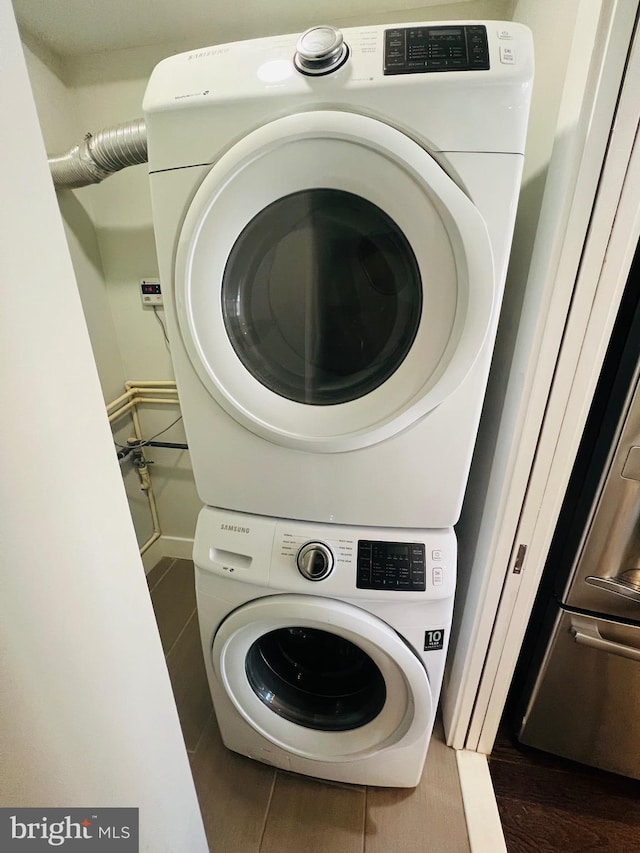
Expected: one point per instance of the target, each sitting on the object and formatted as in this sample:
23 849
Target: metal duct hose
101 155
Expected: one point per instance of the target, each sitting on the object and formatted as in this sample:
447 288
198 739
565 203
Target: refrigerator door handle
617 586
586 633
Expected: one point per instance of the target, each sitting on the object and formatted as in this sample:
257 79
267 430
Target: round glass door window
315 679
321 296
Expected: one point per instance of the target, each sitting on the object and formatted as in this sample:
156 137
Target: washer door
333 284
320 678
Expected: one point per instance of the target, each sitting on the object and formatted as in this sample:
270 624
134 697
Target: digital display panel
441 31
397 550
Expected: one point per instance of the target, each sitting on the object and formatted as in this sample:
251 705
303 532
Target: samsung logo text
234 528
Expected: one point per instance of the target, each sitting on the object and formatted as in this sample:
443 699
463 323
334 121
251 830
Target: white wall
122 217
87 716
59 121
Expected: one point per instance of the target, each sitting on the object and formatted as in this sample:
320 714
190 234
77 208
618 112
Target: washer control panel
416 50
391 565
344 562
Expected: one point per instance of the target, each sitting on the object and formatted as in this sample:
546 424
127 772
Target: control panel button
436 555
437 575
504 34
507 55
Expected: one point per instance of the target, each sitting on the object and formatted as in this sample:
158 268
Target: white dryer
333 217
325 645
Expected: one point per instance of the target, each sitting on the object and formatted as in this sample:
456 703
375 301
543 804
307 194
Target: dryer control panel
391 565
416 50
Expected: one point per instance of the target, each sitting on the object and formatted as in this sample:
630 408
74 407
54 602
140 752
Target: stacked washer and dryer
333 217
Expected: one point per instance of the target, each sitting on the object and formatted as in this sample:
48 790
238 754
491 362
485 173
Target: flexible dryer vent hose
101 155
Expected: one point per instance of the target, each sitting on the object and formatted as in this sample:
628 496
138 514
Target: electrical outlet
150 291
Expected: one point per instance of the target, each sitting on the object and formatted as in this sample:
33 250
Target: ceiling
72 27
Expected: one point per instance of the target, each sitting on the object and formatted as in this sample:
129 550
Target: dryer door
333 283
320 678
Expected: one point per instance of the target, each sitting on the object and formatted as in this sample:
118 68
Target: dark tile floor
174 602
551 805
248 807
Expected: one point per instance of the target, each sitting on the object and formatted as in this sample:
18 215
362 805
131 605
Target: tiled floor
248 807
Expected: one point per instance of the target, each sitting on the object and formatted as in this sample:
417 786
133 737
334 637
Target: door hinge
517 566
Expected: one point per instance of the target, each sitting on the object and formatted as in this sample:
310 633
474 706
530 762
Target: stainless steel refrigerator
584 702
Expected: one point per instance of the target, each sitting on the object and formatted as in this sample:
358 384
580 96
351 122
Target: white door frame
614 231
588 218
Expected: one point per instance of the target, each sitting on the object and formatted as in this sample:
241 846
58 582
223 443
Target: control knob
315 561
320 50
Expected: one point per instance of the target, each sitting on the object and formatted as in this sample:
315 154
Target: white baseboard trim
480 807
167 546
177 547
152 556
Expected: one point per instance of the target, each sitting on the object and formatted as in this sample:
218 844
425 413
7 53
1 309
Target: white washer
333 228
325 645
